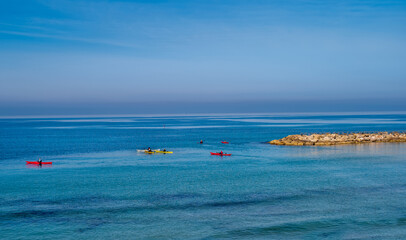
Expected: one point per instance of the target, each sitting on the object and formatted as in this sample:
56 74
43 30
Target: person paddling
39 161
221 152
149 149
201 141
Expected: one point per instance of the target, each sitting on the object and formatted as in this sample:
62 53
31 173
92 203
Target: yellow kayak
146 151
163 152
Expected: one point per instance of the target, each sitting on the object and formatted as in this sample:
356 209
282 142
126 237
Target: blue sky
115 53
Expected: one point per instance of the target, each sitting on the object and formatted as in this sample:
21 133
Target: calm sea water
100 187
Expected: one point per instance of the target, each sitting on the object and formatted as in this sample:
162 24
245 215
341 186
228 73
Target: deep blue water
99 186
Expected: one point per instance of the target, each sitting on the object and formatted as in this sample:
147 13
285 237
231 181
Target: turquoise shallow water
100 187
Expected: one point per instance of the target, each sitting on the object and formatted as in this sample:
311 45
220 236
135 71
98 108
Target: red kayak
220 154
224 142
28 162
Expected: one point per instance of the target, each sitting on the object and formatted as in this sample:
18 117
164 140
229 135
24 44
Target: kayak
163 152
224 142
221 154
28 162
144 150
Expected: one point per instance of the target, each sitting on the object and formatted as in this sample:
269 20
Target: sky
182 56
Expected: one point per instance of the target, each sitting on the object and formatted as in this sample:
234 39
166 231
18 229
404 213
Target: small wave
106 204
321 227
85 120
28 214
285 228
64 127
176 127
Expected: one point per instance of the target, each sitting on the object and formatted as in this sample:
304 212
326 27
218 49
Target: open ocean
100 187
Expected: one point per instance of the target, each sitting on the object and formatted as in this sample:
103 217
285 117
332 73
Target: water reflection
38 165
380 149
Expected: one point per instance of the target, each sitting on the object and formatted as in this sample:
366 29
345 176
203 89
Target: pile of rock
327 139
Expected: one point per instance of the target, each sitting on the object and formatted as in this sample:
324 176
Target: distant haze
181 56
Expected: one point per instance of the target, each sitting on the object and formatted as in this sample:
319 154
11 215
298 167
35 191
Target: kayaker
201 141
221 152
149 149
39 161
164 150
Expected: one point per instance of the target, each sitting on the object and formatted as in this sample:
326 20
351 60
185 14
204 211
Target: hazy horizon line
327 113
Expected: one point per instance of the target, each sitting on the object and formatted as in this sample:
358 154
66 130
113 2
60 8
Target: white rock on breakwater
327 139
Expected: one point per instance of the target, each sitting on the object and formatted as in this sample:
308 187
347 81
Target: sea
100 187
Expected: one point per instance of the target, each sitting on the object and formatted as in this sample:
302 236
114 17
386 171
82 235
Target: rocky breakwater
327 139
